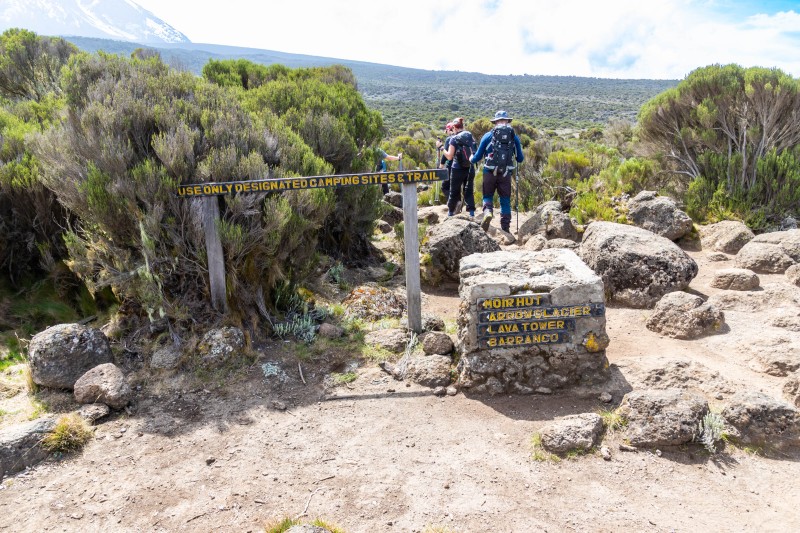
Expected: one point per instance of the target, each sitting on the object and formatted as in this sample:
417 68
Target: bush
136 129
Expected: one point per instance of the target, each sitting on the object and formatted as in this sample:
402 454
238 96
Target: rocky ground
197 453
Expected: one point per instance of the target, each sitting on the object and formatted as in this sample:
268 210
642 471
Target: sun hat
501 115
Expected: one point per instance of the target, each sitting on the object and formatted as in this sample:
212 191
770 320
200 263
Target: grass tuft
612 420
284 524
70 433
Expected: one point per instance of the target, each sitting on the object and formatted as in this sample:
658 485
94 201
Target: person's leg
469 191
504 191
489 186
457 177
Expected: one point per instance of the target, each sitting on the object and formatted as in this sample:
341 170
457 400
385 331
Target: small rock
658 453
605 397
605 452
439 391
93 412
330 331
436 343
452 391
211 460
626 448
717 256
278 405
544 390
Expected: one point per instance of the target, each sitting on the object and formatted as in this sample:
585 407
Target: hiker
500 145
443 161
381 166
462 146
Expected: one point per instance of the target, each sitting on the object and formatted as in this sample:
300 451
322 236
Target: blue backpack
501 159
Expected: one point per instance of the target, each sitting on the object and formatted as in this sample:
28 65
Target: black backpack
501 159
463 143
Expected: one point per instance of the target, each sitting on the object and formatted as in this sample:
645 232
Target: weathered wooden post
411 242
216 260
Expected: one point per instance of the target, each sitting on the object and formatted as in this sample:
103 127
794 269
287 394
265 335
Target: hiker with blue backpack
503 151
462 146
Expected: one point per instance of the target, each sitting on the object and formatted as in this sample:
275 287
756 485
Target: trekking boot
487 218
505 223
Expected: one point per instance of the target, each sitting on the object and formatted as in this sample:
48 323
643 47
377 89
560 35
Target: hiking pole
435 198
516 176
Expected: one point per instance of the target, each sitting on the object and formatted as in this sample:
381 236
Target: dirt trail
381 456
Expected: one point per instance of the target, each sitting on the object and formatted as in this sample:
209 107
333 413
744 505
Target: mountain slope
110 19
404 95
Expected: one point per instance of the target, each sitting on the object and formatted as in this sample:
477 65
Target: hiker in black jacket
462 146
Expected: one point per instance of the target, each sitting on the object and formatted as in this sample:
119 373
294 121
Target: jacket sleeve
518 146
477 156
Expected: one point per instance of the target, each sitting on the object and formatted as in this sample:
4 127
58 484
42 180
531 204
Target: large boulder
659 214
763 257
637 266
573 432
679 374
61 354
530 321
451 240
551 222
735 279
662 417
21 445
788 240
103 384
684 316
727 236
758 419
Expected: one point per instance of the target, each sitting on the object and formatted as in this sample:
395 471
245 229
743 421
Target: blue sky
663 39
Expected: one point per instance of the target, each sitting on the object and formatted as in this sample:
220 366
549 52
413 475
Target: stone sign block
530 320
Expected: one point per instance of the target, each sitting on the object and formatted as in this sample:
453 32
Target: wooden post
216 261
411 242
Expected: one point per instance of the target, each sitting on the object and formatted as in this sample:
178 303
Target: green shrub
160 128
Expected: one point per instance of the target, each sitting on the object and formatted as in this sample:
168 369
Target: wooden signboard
527 319
408 180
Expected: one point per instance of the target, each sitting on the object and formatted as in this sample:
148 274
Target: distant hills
111 19
404 95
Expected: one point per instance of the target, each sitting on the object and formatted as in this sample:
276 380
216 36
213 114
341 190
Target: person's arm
451 152
477 156
397 157
518 146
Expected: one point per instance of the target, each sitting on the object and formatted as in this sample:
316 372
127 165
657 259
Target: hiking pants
460 179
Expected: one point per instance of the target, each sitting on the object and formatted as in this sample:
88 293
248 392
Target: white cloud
613 38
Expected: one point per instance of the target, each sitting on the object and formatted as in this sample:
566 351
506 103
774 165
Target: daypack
463 143
501 159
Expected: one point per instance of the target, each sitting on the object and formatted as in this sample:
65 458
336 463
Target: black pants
461 178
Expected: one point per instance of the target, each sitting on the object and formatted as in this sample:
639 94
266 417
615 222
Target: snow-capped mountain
122 20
